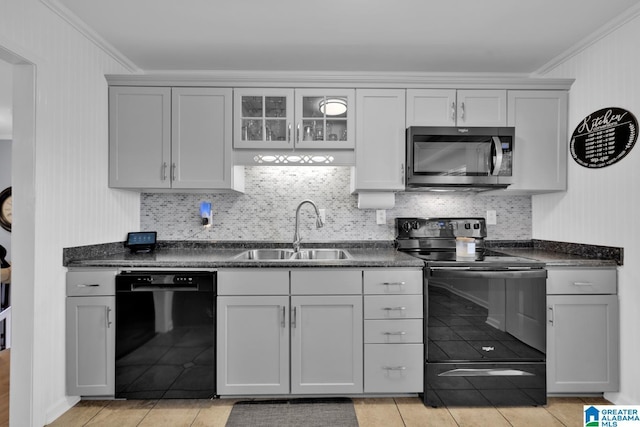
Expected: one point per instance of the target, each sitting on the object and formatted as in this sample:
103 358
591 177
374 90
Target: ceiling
466 36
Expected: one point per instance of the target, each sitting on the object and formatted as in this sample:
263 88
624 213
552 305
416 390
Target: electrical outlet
323 215
491 217
381 216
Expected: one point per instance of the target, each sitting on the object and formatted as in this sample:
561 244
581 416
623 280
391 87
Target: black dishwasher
165 335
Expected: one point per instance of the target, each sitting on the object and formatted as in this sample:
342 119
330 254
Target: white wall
73 205
601 206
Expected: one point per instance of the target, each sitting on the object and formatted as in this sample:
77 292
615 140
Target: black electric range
485 316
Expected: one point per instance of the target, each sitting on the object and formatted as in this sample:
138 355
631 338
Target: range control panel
415 228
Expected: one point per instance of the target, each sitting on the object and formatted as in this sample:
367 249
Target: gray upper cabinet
139 137
282 118
171 138
451 107
540 149
380 146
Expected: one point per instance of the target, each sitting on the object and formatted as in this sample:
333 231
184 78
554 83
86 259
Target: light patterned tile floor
371 412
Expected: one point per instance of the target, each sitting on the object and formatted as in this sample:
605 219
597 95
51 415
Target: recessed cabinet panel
139 137
90 346
380 140
201 138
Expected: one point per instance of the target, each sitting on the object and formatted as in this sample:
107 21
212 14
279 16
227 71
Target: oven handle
498 163
486 373
135 287
510 273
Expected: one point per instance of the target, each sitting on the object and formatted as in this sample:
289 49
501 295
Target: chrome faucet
296 237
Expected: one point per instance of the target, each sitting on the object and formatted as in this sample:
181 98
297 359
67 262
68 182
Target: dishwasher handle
472 273
139 287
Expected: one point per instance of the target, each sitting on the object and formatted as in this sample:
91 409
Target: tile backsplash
266 211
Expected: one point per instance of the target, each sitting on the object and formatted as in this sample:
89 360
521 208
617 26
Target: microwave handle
498 159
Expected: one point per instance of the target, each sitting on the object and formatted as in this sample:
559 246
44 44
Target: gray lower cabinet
393 331
90 342
582 330
283 331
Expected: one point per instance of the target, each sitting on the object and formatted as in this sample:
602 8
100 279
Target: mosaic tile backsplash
266 211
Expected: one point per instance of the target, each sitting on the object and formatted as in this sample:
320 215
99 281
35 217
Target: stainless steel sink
321 254
265 254
289 254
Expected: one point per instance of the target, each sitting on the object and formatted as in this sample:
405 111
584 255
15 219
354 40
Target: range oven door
438 156
486 337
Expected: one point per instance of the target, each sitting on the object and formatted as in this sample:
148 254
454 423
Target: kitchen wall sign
604 137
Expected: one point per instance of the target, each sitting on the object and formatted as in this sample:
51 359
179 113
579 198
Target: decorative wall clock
6 209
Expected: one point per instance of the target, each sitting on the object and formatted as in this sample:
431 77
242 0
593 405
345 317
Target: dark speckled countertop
222 255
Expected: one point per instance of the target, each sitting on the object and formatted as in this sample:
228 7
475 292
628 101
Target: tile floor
383 412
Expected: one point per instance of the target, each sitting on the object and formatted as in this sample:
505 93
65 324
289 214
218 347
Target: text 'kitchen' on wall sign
604 137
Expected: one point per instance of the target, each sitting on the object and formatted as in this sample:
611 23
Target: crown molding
90 34
398 80
608 28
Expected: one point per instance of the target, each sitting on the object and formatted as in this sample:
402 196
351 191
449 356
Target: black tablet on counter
141 241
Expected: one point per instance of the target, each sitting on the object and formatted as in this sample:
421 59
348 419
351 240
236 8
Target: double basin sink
291 255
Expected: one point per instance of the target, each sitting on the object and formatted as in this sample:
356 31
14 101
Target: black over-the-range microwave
459 158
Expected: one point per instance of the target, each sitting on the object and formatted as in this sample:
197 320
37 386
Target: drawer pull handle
88 285
582 284
395 333
394 368
393 283
394 308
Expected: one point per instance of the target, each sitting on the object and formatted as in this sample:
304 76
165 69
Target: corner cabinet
583 346
451 107
541 144
90 333
380 140
272 118
163 138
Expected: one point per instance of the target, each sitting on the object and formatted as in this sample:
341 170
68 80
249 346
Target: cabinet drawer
91 282
396 331
582 281
253 282
393 307
393 368
326 282
392 281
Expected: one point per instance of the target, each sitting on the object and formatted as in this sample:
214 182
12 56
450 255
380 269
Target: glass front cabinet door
324 118
319 119
263 118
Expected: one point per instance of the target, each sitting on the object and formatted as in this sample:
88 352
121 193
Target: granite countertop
561 254
222 255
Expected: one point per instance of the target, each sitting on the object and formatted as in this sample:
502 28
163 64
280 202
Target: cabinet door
326 344
481 108
324 118
380 140
263 118
431 107
540 149
139 137
582 343
201 146
253 345
90 346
